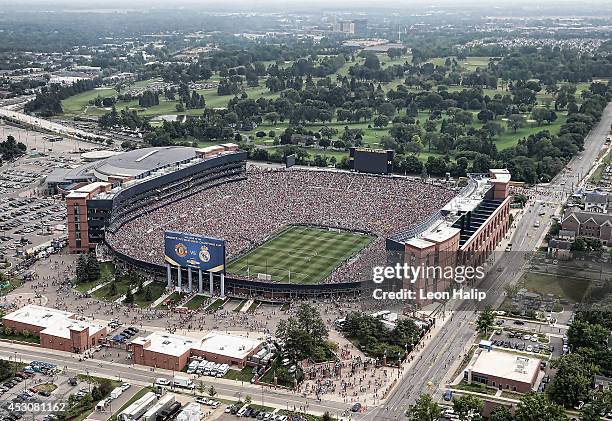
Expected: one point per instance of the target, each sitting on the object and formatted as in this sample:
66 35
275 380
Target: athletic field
300 255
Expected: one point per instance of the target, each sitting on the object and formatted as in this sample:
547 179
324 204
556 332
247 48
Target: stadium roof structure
132 164
137 162
52 321
97 155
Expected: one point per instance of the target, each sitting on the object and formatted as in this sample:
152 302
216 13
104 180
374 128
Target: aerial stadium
285 232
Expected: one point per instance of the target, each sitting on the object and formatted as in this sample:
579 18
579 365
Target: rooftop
54 322
233 346
138 161
505 365
215 342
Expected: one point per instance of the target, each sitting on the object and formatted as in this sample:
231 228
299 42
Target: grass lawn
20 337
216 305
107 270
301 255
13 283
47 387
572 289
239 307
598 174
244 375
170 301
253 307
475 387
77 104
509 139
196 302
156 288
121 287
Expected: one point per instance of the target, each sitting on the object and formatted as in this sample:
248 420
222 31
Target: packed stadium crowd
245 213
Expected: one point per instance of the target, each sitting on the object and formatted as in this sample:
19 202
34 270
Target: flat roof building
57 329
172 352
503 370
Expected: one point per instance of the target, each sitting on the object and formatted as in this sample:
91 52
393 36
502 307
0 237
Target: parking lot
28 222
29 217
36 394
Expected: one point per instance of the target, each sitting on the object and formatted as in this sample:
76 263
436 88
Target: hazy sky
288 4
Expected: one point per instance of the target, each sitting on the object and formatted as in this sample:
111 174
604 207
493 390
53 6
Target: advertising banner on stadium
194 251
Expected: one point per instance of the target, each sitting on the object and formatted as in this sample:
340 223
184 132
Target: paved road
49 125
143 376
448 346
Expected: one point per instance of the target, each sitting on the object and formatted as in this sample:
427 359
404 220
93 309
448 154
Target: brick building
503 371
589 224
465 232
57 329
172 352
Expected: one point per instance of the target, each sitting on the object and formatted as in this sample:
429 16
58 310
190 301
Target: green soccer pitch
300 255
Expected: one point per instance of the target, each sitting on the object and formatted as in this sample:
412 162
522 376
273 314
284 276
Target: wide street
48 125
145 376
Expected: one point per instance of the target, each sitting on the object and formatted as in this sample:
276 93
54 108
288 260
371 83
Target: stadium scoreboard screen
373 161
194 251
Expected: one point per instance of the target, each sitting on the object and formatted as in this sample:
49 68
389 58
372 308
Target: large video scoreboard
373 161
194 251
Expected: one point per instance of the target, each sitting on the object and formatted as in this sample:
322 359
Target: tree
468 408
82 274
372 62
247 399
381 121
573 380
537 407
501 413
112 289
326 417
93 267
95 393
211 391
129 296
485 321
515 122
583 334
303 332
485 115
424 409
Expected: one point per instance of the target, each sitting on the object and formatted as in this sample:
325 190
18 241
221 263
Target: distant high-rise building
348 27
360 26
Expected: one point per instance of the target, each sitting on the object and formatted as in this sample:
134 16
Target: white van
222 371
214 369
200 367
208 368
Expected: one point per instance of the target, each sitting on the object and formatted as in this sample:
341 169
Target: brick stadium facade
465 232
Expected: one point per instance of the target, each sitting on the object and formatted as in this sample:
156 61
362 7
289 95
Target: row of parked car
247 411
521 346
125 334
207 368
